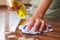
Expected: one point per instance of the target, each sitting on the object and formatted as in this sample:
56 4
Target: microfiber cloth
23 29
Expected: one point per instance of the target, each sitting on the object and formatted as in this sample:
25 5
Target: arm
36 18
42 7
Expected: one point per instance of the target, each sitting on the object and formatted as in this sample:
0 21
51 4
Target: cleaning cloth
23 29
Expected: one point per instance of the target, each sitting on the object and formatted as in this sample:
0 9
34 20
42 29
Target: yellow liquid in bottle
21 11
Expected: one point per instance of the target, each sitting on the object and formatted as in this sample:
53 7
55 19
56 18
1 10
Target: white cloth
23 29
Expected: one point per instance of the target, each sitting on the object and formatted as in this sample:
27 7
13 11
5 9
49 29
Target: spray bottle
19 7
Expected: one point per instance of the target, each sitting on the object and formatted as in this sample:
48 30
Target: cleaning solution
21 11
18 6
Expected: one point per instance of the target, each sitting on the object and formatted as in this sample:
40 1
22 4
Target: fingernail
40 30
34 29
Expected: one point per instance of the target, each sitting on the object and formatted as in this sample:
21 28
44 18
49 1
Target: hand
11 5
14 6
37 22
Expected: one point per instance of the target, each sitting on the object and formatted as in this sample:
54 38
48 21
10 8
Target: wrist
38 15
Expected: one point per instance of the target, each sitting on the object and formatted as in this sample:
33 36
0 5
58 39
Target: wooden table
55 35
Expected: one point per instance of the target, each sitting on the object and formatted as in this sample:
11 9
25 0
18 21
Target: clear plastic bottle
18 6
21 11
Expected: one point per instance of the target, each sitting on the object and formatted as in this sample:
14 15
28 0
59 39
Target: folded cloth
23 29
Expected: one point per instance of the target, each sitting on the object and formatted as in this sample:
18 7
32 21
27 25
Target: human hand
10 5
37 22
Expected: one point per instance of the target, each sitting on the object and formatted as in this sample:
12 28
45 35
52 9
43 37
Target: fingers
30 25
37 24
42 26
46 26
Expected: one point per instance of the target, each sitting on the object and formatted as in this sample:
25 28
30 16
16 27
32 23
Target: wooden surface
55 35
